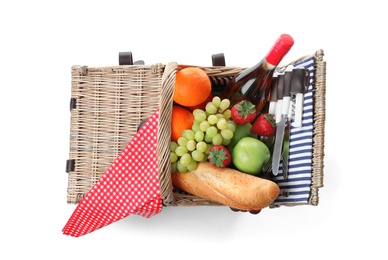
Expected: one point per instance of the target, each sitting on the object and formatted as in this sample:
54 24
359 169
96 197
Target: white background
41 40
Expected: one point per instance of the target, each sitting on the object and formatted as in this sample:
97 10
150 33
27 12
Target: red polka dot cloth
129 186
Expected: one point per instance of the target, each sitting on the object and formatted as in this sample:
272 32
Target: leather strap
218 59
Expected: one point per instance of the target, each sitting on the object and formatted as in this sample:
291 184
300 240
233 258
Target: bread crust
227 186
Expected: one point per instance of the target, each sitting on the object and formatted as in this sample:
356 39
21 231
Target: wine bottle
254 83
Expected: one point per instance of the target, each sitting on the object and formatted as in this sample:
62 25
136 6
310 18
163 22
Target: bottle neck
268 65
263 65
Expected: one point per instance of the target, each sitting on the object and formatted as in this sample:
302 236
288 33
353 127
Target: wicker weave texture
319 127
110 104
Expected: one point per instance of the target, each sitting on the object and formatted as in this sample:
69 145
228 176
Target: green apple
250 155
240 132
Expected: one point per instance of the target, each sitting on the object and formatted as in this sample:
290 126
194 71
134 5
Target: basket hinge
70 165
73 103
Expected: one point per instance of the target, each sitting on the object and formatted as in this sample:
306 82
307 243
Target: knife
280 125
288 74
267 168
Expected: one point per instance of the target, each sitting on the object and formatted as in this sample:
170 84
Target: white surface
41 40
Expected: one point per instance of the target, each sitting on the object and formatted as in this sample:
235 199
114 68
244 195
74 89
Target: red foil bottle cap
279 49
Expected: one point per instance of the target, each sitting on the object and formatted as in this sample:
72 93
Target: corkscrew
292 107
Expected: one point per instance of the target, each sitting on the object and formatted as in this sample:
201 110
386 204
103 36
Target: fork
269 141
267 168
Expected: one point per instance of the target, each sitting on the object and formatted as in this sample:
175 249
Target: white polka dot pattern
129 186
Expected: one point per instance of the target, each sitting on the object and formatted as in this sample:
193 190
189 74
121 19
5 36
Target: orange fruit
192 86
181 119
202 106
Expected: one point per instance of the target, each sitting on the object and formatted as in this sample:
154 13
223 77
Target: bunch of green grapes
212 126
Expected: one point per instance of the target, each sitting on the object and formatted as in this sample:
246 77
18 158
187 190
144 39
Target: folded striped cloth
296 189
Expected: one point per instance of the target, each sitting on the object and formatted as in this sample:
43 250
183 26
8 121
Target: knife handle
273 96
279 104
288 73
300 80
287 91
299 85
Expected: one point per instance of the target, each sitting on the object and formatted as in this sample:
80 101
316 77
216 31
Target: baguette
227 186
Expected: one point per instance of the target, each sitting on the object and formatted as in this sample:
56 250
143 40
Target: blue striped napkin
296 189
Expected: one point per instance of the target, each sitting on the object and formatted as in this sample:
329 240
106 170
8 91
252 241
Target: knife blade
280 125
278 146
269 141
286 151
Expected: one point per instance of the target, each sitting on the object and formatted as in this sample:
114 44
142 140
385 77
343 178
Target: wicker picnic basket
108 103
